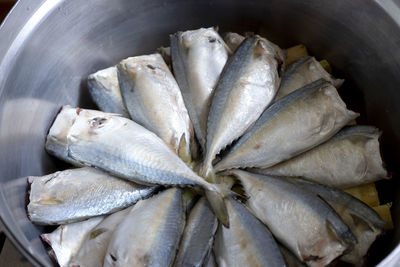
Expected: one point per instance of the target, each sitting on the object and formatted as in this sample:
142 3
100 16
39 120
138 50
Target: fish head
204 39
107 78
61 126
147 64
92 124
266 49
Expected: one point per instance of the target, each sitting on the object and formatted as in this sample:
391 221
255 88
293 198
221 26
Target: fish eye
212 39
151 67
97 122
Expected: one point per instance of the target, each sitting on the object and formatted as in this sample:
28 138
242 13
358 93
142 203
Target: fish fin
346 237
207 172
183 151
216 197
325 64
216 200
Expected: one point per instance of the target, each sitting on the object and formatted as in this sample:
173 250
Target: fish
304 71
246 87
127 150
77 194
190 197
150 234
165 52
211 261
198 57
154 100
94 247
198 236
296 123
66 240
56 140
104 89
350 158
233 40
298 219
290 259
362 220
247 242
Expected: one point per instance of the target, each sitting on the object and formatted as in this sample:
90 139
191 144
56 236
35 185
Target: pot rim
15 29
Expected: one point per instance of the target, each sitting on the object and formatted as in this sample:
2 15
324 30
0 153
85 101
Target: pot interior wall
46 66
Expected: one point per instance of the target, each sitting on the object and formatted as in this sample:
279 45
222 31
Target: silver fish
290 259
153 98
198 236
56 141
66 240
198 58
247 242
304 71
150 234
246 87
165 52
301 221
94 247
296 123
128 150
350 158
211 261
78 194
233 40
363 221
104 89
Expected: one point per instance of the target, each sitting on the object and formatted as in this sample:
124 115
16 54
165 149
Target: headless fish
198 236
233 40
350 158
247 242
246 87
150 234
198 57
94 247
78 194
125 149
294 124
66 240
154 100
304 71
105 91
362 220
297 218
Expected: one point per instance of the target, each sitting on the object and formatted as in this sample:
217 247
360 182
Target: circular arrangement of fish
196 156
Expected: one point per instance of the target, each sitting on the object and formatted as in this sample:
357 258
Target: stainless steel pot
47 49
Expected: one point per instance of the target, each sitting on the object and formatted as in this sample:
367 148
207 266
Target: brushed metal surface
47 49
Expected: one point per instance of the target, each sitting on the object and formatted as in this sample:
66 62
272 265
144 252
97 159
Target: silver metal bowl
47 49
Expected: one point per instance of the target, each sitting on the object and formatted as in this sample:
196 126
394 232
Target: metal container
47 49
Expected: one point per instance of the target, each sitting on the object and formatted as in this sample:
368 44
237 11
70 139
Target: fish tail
207 172
216 199
184 150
